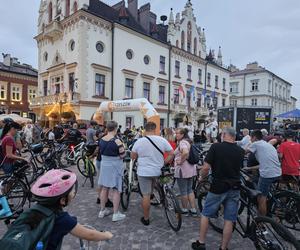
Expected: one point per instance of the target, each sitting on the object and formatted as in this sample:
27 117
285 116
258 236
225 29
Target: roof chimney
253 65
133 8
144 16
123 16
6 59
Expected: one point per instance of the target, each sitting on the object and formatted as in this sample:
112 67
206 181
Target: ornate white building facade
90 52
257 86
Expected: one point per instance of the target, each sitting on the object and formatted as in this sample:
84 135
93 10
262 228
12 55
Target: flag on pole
182 91
192 91
204 92
213 94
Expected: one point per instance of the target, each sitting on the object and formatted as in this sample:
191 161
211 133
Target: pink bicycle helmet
53 185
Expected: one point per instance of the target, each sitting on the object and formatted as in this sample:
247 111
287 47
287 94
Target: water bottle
39 246
4 207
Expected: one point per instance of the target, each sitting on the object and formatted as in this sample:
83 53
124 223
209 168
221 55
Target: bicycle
71 153
130 184
163 186
264 232
86 167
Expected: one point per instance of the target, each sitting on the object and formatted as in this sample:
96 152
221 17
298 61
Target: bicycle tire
201 191
156 196
63 159
81 166
91 172
259 235
126 192
16 189
286 208
176 208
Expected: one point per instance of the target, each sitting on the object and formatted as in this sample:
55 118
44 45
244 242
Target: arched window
195 46
67 7
75 6
182 39
50 12
177 43
189 37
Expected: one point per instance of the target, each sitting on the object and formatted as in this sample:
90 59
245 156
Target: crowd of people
273 156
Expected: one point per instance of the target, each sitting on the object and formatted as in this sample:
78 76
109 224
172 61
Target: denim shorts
230 201
8 168
264 184
185 186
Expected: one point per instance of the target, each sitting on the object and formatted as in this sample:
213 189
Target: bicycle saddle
37 148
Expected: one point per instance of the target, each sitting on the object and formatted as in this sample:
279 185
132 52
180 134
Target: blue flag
204 92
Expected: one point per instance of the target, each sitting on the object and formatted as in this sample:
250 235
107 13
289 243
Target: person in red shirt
9 147
170 137
289 153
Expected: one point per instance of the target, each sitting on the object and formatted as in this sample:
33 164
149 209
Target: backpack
20 236
194 155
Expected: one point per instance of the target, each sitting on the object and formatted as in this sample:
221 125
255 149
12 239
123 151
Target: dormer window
67 8
182 39
195 46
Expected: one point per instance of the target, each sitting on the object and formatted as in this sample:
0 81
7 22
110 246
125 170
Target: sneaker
145 222
198 246
118 216
104 213
184 212
193 212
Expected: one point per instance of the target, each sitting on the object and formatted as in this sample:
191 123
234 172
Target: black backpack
194 155
21 236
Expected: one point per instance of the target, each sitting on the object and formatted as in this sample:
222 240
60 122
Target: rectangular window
216 82
188 99
31 94
162 124
3 91
223 102
100 85
45 87
147 90
128 122
189 72
188 45
71 82
269 85
254 102
58 83
177 68
208 79
176 96
199 95
128 88
233 103
254 86
200 76
162 64
234 87
224 84
161 95
16 93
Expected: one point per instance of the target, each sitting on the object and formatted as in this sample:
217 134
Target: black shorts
90 149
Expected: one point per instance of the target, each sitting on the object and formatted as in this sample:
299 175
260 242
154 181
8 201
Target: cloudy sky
267 31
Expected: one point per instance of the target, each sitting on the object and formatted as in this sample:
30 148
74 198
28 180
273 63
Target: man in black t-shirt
73 135
225 160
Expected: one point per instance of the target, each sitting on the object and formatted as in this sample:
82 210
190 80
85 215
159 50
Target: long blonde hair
169 136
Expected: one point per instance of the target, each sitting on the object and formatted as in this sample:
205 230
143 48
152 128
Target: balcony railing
72 98
201 110
180 108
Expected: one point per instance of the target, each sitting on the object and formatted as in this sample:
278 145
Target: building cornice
18 76
56 67
161 80
101 67
147 77
187 55
71 65
176 83
130 72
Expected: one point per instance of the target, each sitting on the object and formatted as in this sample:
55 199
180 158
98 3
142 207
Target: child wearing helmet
55 190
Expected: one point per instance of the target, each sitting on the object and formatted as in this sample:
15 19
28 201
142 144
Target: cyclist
111 171
225 161
289 153
9 147
149 151
55 190
73 135
269 167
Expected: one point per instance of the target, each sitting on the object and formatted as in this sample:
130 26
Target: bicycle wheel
91 171
156 196
172 210
16 193
63 159
125 195
286 209
268 234
201 191
218 222
82 168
